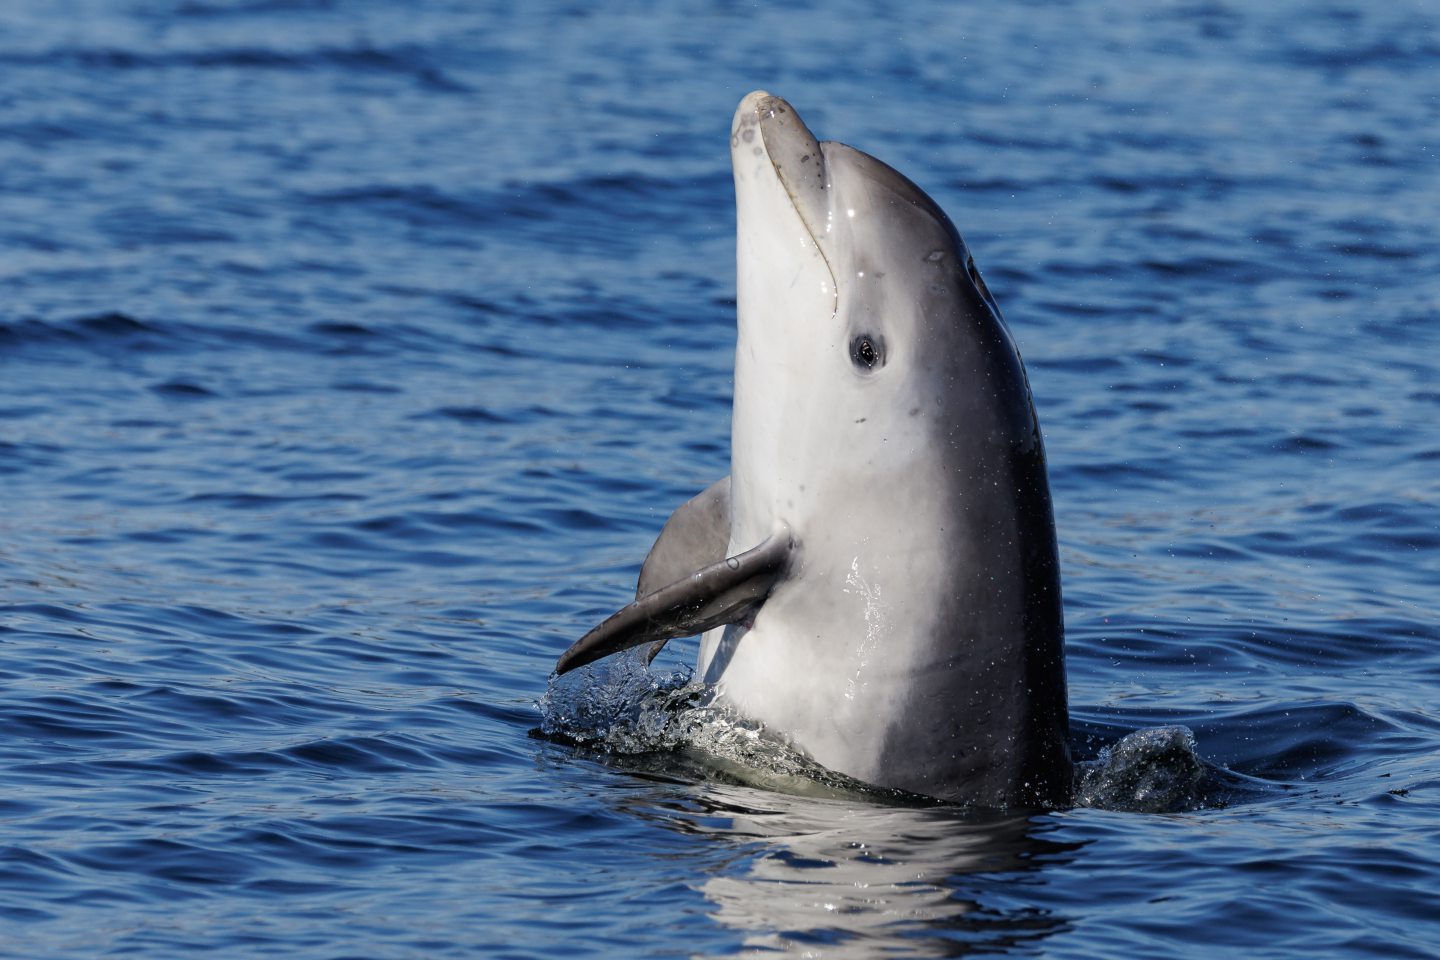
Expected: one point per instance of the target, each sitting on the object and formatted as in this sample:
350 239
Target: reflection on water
839 878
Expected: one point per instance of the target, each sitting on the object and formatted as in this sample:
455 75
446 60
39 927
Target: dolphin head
857 298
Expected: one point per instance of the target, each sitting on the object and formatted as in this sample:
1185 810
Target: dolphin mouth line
768 108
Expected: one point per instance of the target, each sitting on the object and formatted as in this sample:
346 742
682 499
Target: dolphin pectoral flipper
696 535
716 594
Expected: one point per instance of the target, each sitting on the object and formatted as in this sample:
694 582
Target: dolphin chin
877 579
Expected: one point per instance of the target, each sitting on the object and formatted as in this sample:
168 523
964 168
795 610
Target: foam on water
622 709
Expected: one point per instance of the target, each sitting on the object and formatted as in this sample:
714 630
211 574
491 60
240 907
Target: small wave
1149 771
401 61
109 333
116 333
465 414
182 390
111 327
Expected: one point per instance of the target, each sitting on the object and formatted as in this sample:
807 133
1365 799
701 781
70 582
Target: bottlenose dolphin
877 579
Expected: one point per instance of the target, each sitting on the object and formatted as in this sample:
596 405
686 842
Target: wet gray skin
877 579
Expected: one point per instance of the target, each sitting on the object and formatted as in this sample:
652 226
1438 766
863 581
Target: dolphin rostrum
877 579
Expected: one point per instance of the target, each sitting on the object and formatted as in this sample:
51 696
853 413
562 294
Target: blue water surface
352 353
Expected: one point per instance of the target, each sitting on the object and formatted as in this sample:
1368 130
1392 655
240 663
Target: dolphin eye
866 352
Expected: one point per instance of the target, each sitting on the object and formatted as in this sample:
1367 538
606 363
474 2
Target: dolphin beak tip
753 100
761 108
747 118
767 128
